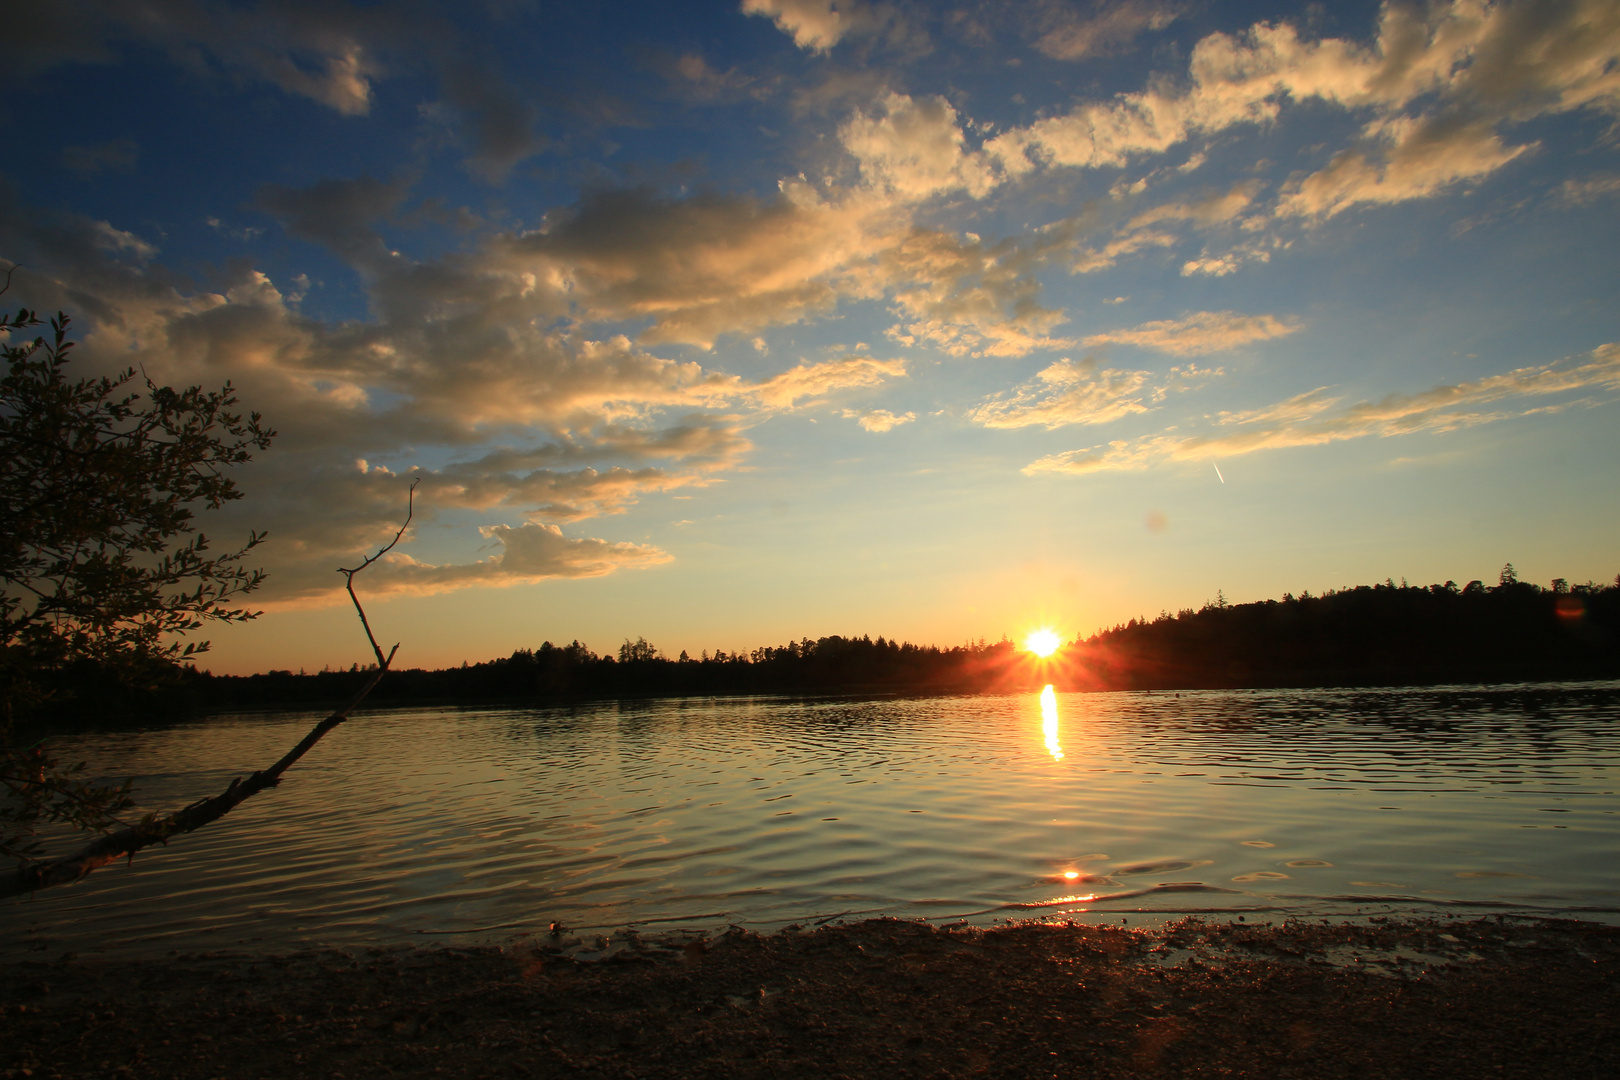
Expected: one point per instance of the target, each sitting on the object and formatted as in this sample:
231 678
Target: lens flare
1043 642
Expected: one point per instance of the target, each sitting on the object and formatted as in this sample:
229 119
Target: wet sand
1375 999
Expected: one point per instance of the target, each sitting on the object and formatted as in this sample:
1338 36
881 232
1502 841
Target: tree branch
410 511
31 876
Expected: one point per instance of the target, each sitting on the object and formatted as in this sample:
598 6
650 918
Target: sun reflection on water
1049 722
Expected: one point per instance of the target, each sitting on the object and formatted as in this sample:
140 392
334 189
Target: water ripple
770 811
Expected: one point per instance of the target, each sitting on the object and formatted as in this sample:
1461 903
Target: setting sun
1043 642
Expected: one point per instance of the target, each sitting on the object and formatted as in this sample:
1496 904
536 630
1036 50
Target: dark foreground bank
1490 998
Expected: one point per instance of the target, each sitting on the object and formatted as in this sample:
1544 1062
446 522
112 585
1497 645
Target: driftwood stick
30 877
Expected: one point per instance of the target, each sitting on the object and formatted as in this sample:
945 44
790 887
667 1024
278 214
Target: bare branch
410 511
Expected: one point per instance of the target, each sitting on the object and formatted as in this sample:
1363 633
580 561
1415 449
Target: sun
1043 642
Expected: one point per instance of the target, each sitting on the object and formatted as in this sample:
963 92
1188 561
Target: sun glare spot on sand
1043 642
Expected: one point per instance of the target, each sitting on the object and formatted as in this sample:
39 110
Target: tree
100 558
639 649
101 566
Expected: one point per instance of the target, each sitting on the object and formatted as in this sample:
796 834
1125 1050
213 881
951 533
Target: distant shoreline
380 702
1369 636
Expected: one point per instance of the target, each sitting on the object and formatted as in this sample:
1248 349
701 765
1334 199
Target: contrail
1218 472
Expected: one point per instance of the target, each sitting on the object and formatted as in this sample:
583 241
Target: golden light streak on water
1049 722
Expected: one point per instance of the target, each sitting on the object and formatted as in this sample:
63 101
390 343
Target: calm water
451 825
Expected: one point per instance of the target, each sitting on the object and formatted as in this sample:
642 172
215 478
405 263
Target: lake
454 825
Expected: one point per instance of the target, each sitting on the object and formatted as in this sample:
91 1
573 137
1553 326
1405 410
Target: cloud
1437 84
1067 35
815 25
972 299
1213 208
115 155
696 80
333 53
702 266
316 52
1217 266
560 426
497 119
786 389
1198 333
879 420
529 553
1411 159
1309 420
1067 393
1090 260
1146 229
338 214
1590 189
476 372
914 148
1304 406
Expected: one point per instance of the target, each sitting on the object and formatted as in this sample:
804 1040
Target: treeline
560 673
1370 635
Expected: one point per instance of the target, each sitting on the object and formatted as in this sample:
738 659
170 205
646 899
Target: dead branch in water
30 877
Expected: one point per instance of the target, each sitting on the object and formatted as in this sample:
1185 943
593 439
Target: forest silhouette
1368 635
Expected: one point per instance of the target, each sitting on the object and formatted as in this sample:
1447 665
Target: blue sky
730 323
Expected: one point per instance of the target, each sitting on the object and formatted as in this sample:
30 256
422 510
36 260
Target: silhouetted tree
101 564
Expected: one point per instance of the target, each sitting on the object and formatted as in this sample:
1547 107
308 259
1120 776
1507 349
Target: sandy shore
1379 999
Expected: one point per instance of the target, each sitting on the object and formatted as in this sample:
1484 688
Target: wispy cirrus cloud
1068 392
1068 32
1197 333
1312 419
115 155
528 553
786 389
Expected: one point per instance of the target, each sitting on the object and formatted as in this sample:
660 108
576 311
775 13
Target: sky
726 324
